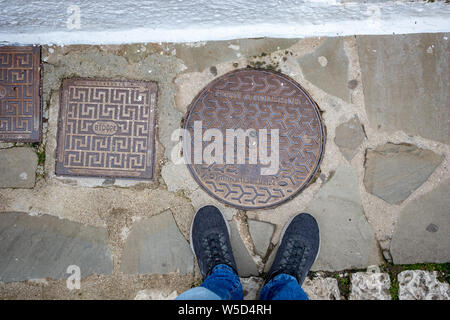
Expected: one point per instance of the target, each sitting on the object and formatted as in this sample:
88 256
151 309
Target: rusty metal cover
106 128
252 100
20 101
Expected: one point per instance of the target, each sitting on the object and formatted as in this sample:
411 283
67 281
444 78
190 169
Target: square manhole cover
20 104
106 128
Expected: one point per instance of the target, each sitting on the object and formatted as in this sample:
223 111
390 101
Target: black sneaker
210 240
299 248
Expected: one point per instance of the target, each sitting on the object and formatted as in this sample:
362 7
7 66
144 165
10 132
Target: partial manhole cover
257 102
106 128
20 105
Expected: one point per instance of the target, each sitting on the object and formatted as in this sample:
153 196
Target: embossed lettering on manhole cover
106 128
253 138
20 104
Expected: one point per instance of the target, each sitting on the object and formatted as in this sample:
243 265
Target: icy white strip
115 22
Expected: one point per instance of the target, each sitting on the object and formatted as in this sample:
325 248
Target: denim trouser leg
282 287
223 283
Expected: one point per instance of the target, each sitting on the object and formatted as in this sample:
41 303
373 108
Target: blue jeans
224 284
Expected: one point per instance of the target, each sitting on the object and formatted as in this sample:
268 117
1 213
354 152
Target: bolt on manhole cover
253 138
20 102
106 128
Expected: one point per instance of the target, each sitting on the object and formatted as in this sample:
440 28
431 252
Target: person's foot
210 240
299 248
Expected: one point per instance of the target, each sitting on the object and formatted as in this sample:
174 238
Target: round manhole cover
253 138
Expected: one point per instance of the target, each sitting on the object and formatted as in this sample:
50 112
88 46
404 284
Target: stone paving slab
261 233
422 233
156 246
245 264
320 288
45 246
406 83
370 286
422 285
347 239
349 136
394 171
18 167
327 68
197 59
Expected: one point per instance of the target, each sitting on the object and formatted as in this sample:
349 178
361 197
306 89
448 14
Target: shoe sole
284 231
192 225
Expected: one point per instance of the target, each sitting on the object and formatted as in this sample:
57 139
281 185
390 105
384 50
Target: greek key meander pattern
256 100
107 129
19 94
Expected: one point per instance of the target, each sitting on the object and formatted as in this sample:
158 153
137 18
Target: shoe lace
294 258
215 248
